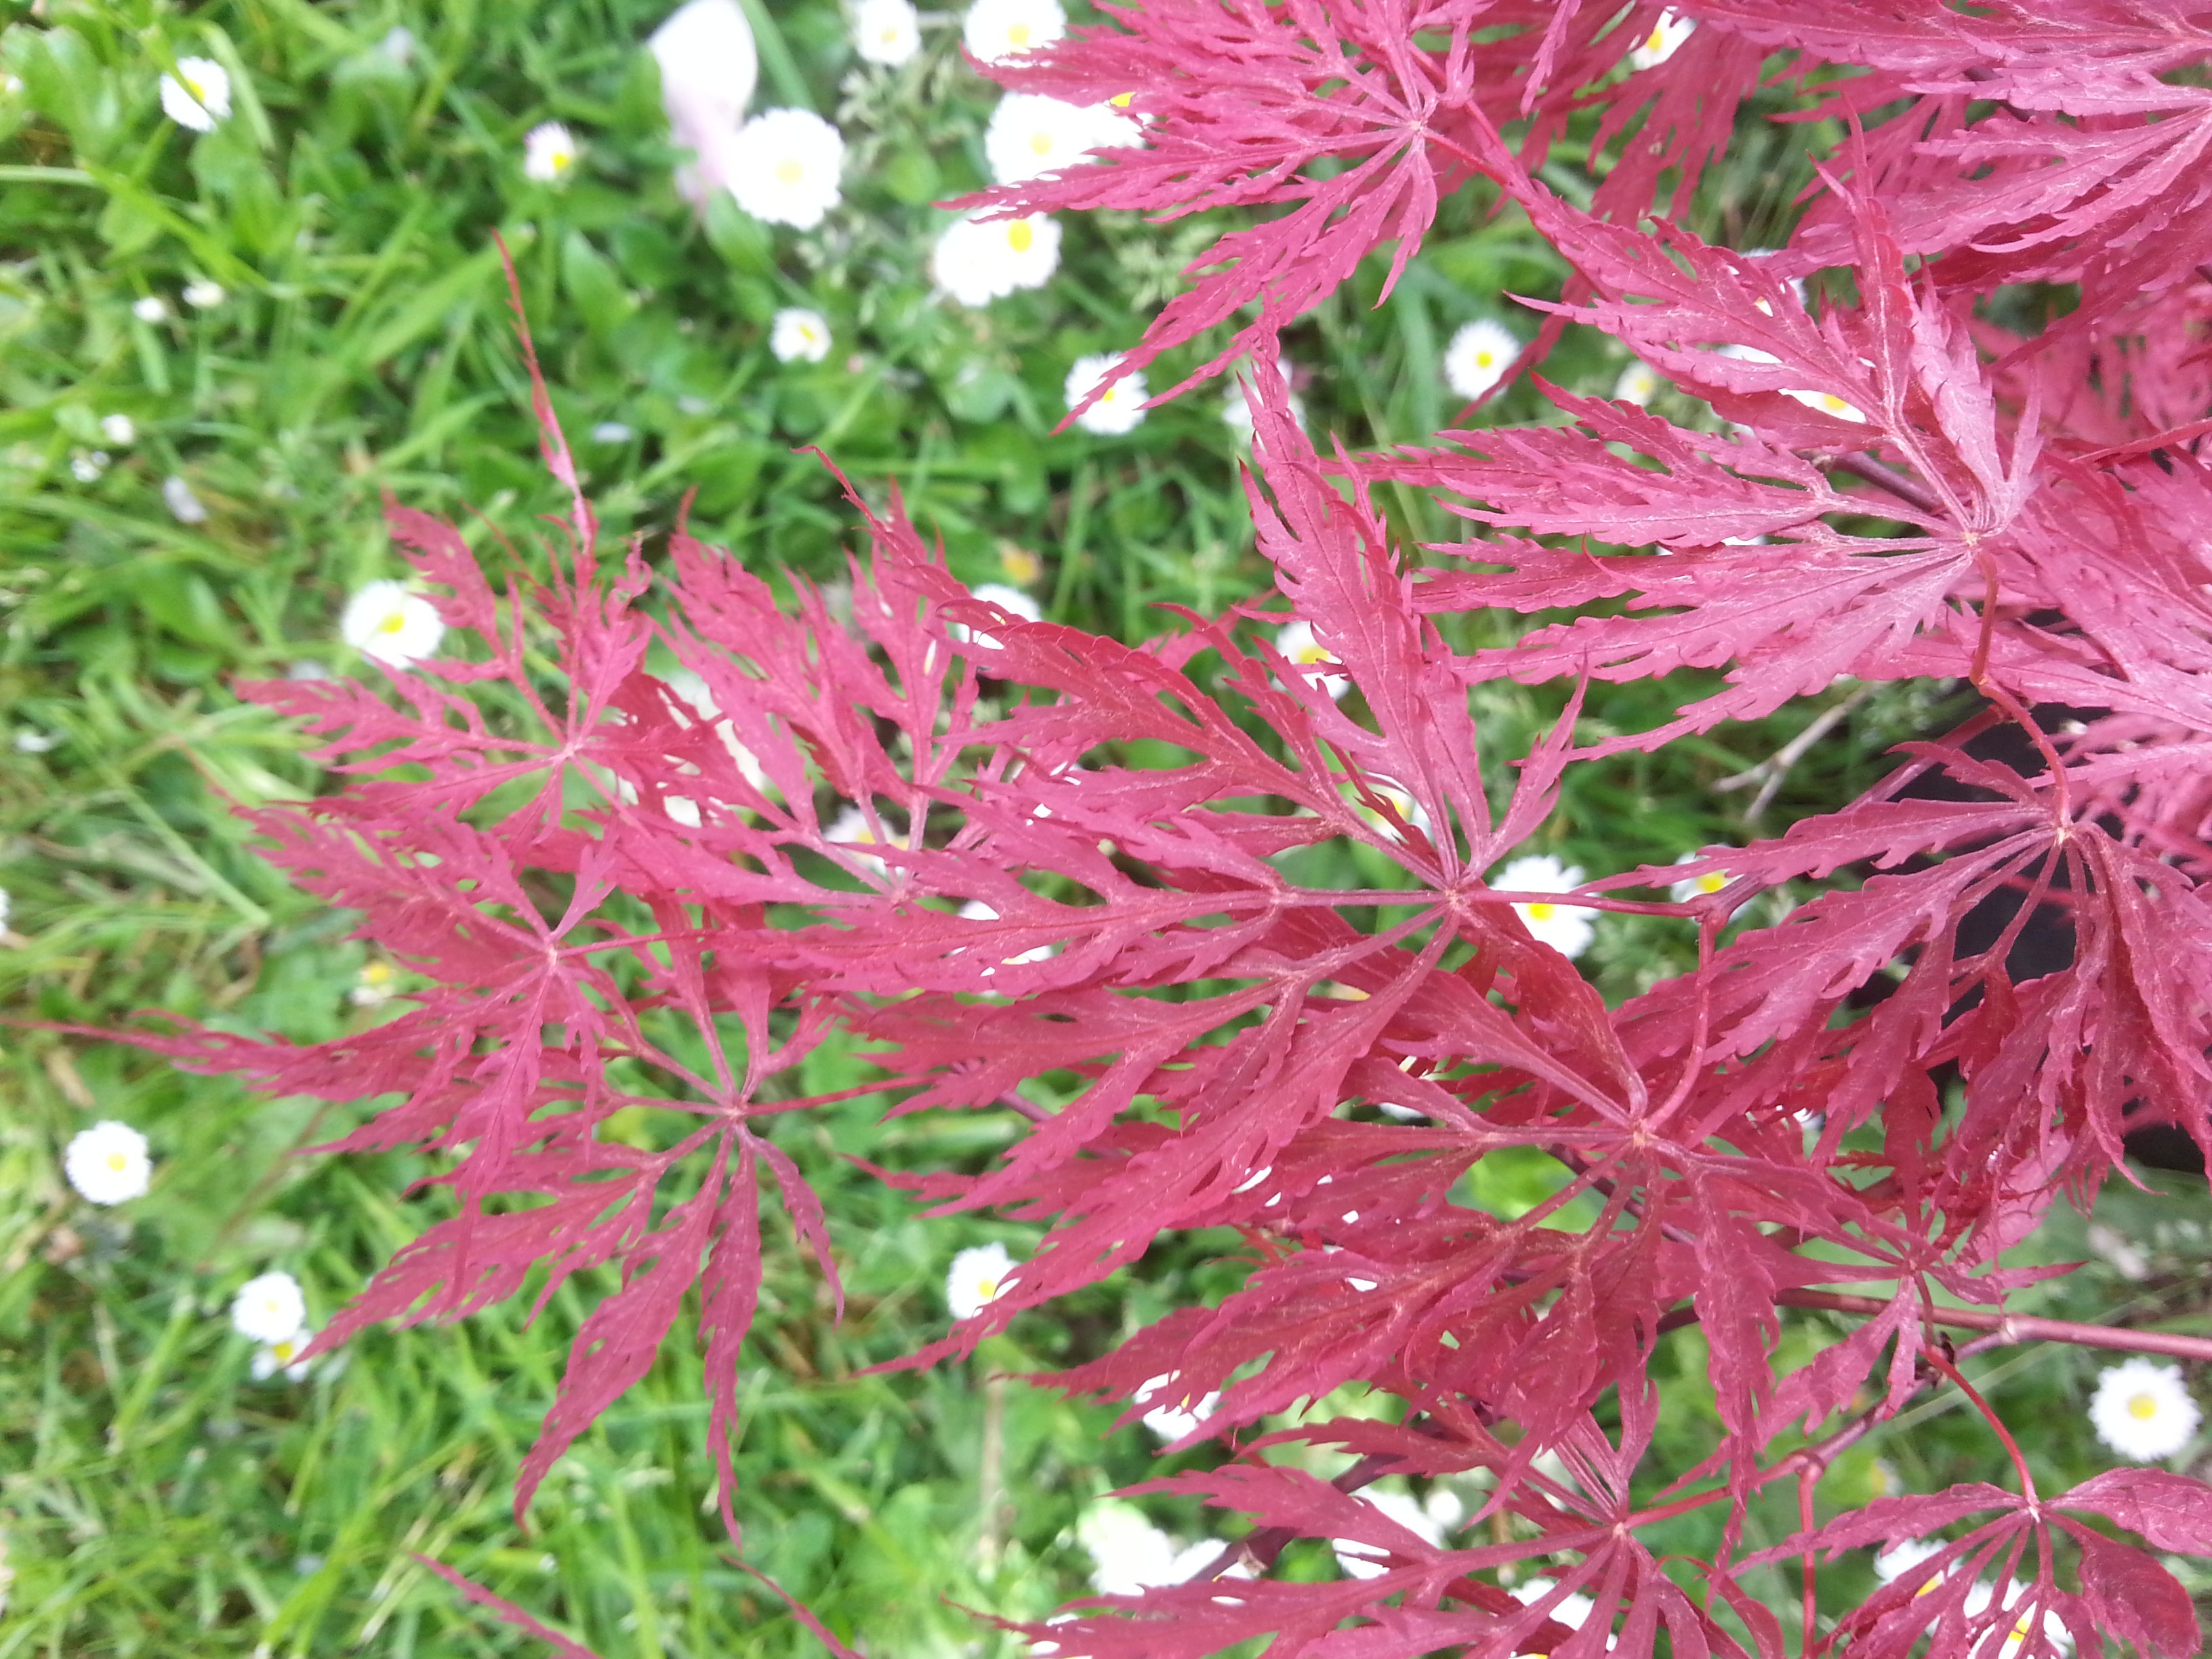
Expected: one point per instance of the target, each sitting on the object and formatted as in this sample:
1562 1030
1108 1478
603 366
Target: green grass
152 1497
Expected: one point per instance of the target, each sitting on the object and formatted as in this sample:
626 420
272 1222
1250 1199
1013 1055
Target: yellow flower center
559 160
1019 236
1021 566
1484 359
1121 99
2142 1407
1310 654
789 172
1019 34
118 1162
1656 42
392 622
376 973
282 1351
987 1289
1542 912
1041 142
889 36
1711 882
1832 404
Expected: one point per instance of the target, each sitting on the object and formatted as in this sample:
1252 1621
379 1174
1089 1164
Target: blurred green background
154 1498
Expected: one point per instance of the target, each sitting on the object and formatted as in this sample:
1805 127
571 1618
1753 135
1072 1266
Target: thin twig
1770 773
1869 471
990 1480
2010 1328
1808 1478
1996 1423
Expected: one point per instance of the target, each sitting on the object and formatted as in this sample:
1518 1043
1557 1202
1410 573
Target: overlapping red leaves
604 876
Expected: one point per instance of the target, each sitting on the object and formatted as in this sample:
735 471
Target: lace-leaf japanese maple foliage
616 878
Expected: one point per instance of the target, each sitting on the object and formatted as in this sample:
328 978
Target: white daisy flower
1828 404
1796 283
783 167
2144 1410
108 1164
2110 1245
28 742
87 465
378 984
1031 135
851 828
1005 598
117 428
681 809
1573 1610
548 150
612 432
1567 928
1358 1559
1892 1564
977 1278
183 506
1663 42
386 622
398 44
1478 355
1694 887
796 333
1639 383
976 263
1113 127
1129 1554
1415 815
269 1308
996 30
197 95
1236 409
886 31
709 67
1175 1416
150 308
1011 600
282 1355
1121 406
1744 354
1978 1597
1443 1506
692 689
978 911
1296 644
